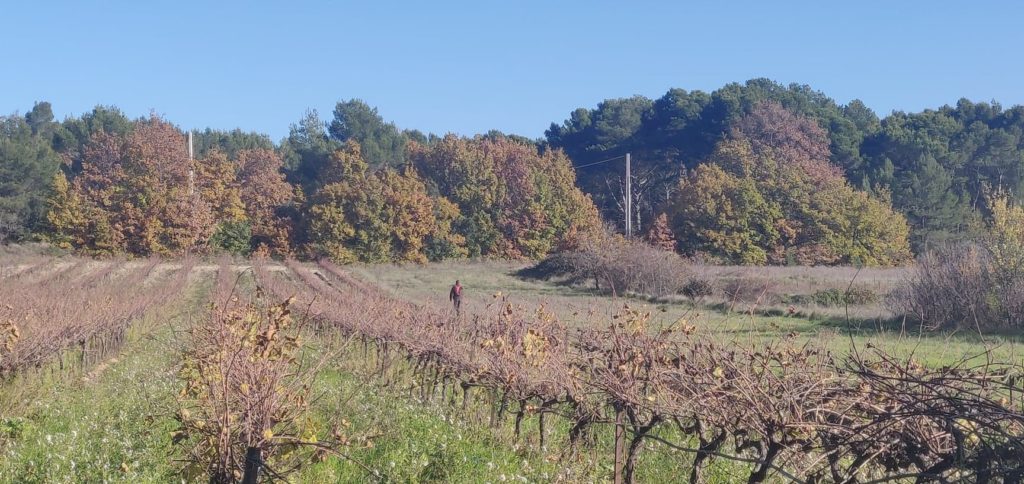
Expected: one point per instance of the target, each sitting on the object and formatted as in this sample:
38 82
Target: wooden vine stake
620 444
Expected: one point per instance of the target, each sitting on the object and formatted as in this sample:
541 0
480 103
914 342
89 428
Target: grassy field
112 421
753 316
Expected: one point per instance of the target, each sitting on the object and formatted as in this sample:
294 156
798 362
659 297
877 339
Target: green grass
111 425
437 440
403 440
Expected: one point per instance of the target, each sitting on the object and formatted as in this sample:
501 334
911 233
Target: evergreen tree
27 166
382 143
931 205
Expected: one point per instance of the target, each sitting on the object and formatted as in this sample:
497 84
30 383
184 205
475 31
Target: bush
855 296
956 287
975 286
617 265
698 287
233 237
829 297
560 265
859 296
245 400
747 290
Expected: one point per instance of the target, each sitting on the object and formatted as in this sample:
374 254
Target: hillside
506 196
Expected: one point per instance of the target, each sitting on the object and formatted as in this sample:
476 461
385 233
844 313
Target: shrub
9 334
743 289
855 296
953 287
233 237
976 286
698 287
568 266
617 265
829 297
859 296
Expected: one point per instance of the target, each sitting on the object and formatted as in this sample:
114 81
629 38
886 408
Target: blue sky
467 67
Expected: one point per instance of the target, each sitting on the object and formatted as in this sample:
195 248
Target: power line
629 189
599 162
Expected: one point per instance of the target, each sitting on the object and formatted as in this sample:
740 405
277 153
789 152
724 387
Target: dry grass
803 280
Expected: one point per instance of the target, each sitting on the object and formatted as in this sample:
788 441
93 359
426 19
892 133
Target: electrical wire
599 162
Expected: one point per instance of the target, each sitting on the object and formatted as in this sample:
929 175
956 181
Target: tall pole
191 169
629 200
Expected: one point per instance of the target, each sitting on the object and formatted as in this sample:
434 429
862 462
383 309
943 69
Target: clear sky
467 67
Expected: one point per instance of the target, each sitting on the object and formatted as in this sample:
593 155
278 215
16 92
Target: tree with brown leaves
267 197
660 235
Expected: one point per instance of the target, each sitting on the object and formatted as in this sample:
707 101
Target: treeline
104 184
758 173
936 166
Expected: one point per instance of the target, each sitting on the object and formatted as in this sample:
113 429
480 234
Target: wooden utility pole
629 200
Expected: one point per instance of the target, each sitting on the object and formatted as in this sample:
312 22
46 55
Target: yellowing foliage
771 196
137 194
719 213
515 201
216 178
1005 239
375 217
9 335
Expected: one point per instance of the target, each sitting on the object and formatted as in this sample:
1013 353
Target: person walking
455 296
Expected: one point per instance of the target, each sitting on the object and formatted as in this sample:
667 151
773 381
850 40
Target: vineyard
141 370
77 309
